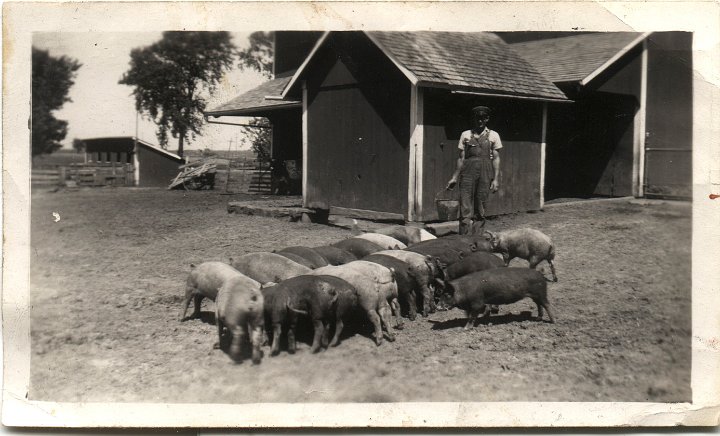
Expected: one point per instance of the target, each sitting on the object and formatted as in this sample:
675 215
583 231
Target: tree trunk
180 145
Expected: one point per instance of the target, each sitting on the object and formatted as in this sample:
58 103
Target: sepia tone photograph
278 216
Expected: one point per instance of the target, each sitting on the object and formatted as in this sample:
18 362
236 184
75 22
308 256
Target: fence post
62 172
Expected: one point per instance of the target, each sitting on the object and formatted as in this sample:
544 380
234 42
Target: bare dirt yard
107 281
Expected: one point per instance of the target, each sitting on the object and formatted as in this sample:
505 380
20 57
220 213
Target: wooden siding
668 156
358 118
519 124
155 168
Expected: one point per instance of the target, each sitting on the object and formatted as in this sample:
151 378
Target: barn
381 113
153 166
375 117
629 131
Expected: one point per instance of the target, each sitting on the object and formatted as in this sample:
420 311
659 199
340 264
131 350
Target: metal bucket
447 209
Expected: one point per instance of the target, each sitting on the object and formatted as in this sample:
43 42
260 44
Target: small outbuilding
153 166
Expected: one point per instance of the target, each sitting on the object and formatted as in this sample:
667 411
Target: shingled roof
466 61
253 101
573 58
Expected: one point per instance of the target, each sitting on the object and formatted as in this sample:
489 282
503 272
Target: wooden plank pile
196 176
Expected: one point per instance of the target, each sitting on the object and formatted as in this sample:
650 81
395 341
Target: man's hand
451 184
494 186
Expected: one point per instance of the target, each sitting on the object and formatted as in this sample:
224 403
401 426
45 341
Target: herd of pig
393 271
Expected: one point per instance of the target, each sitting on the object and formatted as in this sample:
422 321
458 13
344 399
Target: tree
172 75
52 78
259 55
78 145
260 138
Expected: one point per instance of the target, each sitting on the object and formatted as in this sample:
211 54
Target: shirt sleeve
463 136
495 140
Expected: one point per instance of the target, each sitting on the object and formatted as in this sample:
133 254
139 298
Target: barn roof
248 103
477 62
576 58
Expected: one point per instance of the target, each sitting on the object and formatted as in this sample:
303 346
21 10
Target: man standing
478 169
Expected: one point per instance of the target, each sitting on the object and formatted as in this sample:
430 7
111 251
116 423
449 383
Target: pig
306 253
387 242
334 255
405 279
239 307
406 234
306 294
373 284
347 301
204 281
298 259
478 261
476 242
445 254
268 267
529 244
475 292
425 269
358 247
463 244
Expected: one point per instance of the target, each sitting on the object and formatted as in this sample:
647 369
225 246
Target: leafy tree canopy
171 76
52 78
260 54
79 145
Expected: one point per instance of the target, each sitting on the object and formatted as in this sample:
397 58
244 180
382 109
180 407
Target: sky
101 107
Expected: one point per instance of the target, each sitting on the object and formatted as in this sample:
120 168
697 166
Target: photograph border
22 19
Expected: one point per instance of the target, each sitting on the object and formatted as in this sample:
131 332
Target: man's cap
481 110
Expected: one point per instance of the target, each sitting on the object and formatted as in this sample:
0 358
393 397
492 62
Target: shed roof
576 57
248 103
476 62
471 61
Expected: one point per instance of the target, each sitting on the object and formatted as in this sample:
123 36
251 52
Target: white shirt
492 136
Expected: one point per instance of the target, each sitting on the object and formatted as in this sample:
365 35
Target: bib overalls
476 175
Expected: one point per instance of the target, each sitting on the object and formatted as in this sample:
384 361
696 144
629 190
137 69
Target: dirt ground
107 281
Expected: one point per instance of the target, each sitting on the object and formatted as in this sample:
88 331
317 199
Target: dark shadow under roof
573 58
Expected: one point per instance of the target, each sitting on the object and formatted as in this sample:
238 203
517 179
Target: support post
415 155
639 132
543 146
304 142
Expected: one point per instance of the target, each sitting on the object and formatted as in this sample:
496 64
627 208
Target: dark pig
306 253
306 294
334 255
475 292
358 247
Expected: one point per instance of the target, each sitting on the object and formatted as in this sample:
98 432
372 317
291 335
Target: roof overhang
614 59
513 96
254 111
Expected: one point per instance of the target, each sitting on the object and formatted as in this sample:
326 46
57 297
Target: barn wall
155 168
668 159
519 124
358 128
